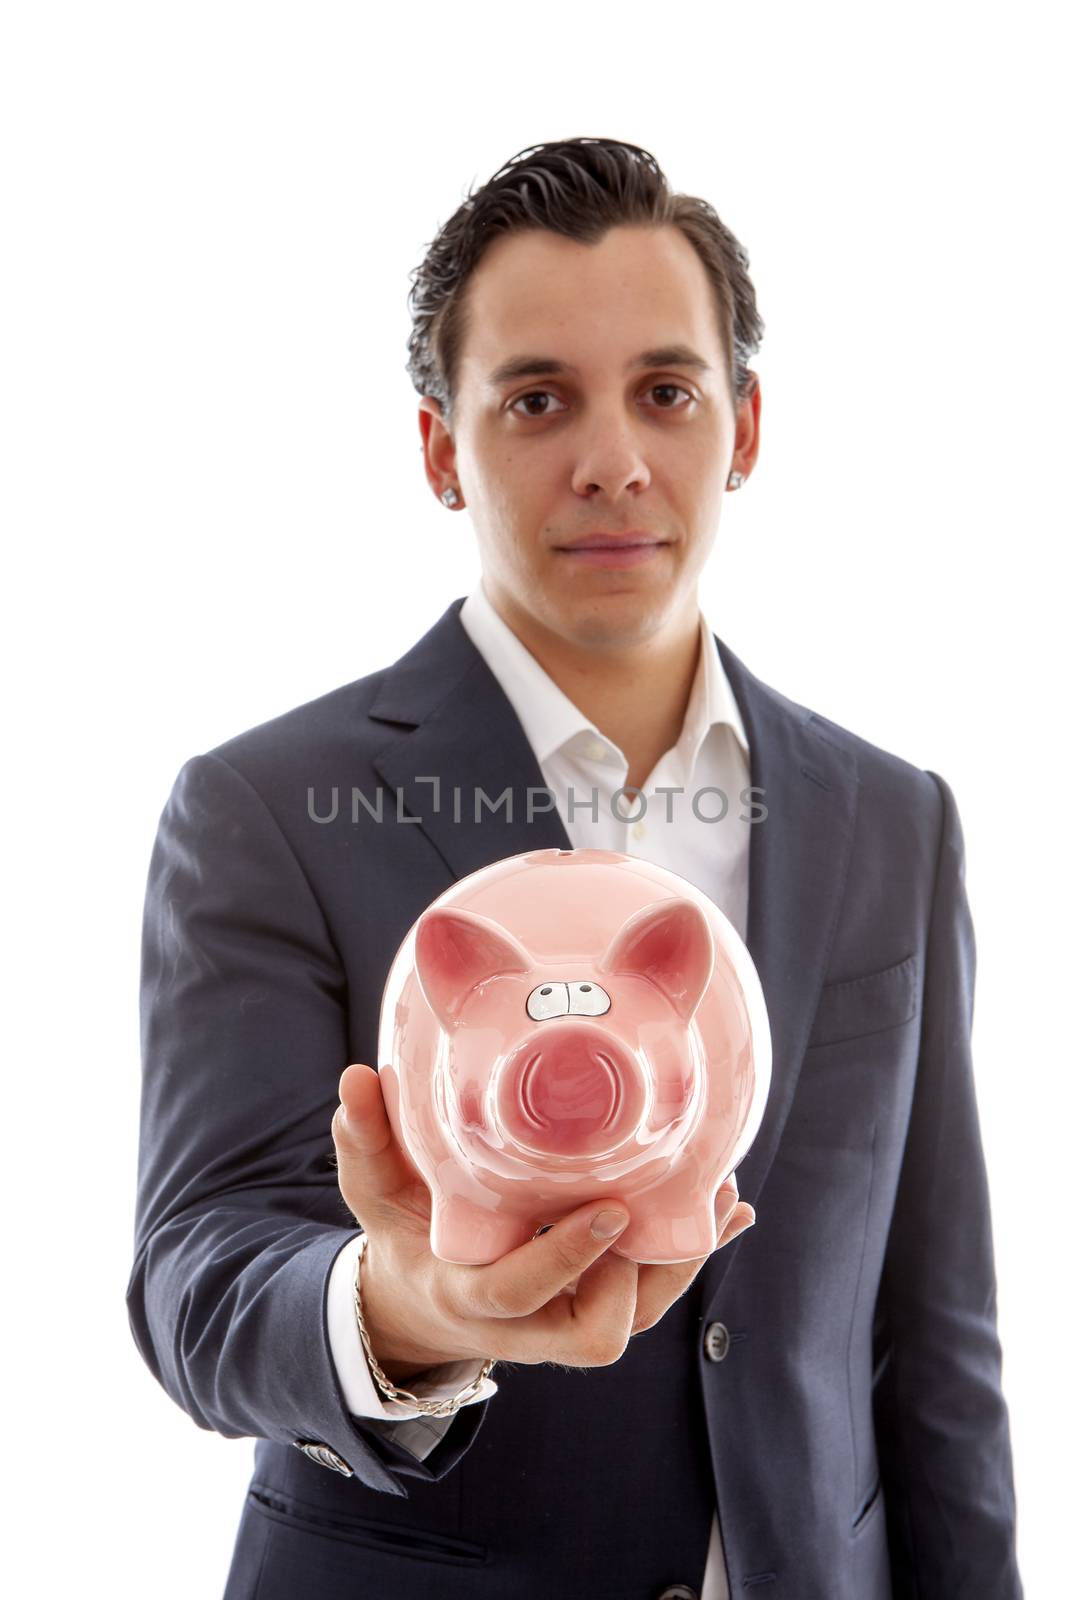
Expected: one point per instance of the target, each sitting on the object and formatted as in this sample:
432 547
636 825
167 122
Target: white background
215 509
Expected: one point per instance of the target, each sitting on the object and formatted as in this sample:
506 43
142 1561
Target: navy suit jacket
854 1435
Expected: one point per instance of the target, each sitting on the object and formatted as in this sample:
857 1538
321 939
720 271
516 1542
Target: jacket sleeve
239 1216
940 1416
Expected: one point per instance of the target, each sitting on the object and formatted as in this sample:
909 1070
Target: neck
635 693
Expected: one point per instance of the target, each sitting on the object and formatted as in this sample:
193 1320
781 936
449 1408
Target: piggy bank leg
465 1232
663 1241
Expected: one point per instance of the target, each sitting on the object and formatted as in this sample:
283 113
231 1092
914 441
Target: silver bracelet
430 1408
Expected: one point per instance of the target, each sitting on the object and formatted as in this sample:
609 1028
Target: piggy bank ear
455 951
671 944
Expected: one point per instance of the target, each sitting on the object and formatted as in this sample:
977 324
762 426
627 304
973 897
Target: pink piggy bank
566 1024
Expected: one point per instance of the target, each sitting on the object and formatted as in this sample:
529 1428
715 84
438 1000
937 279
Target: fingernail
608 1223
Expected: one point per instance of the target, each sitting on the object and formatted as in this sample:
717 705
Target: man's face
613 441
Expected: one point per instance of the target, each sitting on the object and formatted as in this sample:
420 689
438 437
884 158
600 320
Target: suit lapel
798 863
464 732
451 720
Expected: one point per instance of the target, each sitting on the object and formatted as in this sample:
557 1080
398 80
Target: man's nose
610 457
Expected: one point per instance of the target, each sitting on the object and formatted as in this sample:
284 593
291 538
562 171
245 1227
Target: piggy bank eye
547 1000
588 999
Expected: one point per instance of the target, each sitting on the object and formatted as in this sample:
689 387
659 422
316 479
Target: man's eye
537 394
671 388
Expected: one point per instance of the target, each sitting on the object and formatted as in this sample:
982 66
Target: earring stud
735 480
450 497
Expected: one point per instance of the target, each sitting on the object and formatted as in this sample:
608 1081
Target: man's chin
620 620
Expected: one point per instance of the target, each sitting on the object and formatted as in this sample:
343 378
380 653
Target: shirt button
717 1341
595 750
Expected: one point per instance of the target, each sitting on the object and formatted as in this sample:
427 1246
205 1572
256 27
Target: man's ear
438 446
746 430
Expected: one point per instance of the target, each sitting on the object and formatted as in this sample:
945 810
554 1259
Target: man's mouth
604 551
612 541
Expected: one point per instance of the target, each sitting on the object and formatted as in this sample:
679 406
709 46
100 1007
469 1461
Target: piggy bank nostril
566 1093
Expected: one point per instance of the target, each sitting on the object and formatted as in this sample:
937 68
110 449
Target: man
816 1408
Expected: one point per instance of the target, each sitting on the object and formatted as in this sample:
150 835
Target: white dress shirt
699 830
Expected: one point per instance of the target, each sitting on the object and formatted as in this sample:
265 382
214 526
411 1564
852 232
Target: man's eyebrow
664 355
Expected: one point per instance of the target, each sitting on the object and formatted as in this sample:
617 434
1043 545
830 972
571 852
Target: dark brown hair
578 188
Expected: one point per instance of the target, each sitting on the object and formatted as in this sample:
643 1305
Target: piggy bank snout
570 1089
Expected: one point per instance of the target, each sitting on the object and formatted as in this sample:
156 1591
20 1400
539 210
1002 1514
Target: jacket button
678 1591
717 1341
325 1457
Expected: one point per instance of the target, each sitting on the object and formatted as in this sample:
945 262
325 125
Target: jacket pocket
394 1538
858 1006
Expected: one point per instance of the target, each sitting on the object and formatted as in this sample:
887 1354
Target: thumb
372 1168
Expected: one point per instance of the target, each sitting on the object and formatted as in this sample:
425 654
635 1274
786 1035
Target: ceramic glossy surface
569 1025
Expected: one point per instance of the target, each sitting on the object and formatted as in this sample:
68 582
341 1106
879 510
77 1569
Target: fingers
732 1216
726 1203
587 1327
661 1285
658 1287
600 1313
743 1217
372 1168
527 1278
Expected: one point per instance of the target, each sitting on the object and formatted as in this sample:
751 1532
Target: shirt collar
550 720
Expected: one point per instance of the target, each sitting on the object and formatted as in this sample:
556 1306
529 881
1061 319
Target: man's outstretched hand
564 1296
